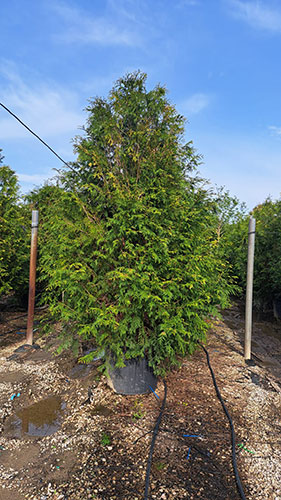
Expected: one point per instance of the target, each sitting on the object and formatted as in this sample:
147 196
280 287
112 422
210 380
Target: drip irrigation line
14 330
37 136
155 431
234 462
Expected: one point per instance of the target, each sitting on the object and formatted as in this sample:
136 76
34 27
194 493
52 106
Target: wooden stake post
32 276
249 288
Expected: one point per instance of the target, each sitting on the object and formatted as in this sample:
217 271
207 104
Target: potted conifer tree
137 254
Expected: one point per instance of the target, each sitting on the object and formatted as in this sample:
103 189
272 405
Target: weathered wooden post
32 276
249 288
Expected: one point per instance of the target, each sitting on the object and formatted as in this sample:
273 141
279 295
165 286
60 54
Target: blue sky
219 59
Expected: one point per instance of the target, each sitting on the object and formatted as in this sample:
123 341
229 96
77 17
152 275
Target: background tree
14 252
267 265
267 270
232 220
42 198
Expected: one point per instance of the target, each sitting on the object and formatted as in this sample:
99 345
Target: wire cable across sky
33 133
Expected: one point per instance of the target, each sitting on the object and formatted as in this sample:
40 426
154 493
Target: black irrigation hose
234 462
155 431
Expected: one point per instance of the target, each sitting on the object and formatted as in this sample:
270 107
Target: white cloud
46 108
79 27
275 130
257 14
195 103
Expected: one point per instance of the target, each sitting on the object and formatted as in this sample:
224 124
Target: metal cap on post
249 288
32 276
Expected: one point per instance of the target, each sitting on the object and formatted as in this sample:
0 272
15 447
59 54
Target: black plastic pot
134 378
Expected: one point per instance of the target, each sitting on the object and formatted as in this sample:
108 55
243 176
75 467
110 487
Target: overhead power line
33 133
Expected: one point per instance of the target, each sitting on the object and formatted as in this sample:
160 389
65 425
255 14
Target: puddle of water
101 410
40 419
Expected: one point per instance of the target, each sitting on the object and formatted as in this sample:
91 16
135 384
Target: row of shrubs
135 253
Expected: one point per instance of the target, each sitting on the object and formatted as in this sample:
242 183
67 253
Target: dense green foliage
232 235
131 253
13 236
267 267
267 284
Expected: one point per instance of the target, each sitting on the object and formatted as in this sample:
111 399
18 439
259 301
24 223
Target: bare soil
98 448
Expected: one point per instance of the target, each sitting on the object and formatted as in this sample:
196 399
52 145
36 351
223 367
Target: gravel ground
99 449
